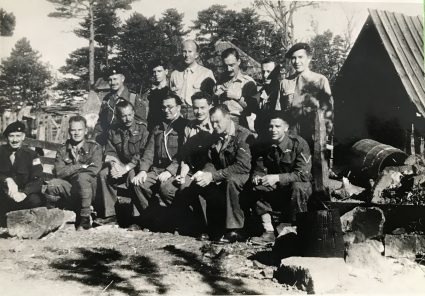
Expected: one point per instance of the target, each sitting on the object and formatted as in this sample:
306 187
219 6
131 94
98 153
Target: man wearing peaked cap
119 92
20 172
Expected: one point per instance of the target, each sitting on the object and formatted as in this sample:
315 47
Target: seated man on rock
20 173
125 144
282 176
76 166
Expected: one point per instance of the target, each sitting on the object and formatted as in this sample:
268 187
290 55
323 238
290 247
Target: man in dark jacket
282 176
76 166
107 113
20 173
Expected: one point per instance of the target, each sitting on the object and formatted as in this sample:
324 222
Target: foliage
23 77
7 23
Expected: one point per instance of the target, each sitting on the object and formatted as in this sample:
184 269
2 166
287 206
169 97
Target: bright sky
54 38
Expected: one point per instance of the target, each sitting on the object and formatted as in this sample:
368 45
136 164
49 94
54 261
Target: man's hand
18 196
180 180
84 166
269 180
140 178
257 180
117 170
202 178
11 186
164 176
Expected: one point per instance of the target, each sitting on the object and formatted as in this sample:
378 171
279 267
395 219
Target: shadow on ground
211 274
101 267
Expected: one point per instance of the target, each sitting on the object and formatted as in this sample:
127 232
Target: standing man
304 92
237 90
126 142
159 88
165 142
223 177
282 177
76 166
20 172
107 113
191 79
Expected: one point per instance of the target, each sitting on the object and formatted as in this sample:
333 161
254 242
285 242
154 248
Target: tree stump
34 223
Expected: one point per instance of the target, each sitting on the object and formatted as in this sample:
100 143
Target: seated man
223 176
76 166
165 142
20 173
126 142
281 177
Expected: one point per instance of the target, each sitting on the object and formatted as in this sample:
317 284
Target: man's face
220 122
116 81
300 60
159 74
201 109
126 116
231 65
266 69
170 108
190 53
15 139
77 131
277 129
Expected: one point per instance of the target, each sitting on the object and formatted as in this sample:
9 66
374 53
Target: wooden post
412 141
320 169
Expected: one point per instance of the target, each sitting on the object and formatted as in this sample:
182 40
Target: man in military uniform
237 90
107 113
20 173
191 78
223 177
156 164
126 142
282 176
76 166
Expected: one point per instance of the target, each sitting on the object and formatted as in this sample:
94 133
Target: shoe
266 238
134 227
231 237
105 221
203 237
84 223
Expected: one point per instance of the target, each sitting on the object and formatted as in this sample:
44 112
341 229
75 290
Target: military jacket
233 157
26 171
164 145
69 162
290 159
131 150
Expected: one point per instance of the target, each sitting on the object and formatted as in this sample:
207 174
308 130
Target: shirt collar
79 146
160 86
284 144
239 78
192 69
130 130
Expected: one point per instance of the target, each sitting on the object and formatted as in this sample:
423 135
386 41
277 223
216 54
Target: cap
16 126
298 46
112 71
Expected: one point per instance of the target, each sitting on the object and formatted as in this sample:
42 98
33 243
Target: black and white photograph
212 147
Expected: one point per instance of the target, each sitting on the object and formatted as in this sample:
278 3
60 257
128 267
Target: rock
349 238
403 169
34 223
404 245
285 230
347 190
311 274
387 180
367 254
267 272
399 230
414 159
364 222
418 180
286 246
69 216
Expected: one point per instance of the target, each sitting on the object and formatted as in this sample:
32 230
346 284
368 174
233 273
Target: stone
364 222
312 274
387 180
403 169
404 245
367 254
69 216
418 180
347 190
34 223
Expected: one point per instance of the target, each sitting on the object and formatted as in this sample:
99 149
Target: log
34 223
320 169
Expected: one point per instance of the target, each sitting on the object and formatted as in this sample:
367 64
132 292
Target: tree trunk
91 48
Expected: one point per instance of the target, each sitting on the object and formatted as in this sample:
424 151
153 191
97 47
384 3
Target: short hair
172 95
78 118
158 62
202 95
267 61
123 103
221 107
194 42
230 51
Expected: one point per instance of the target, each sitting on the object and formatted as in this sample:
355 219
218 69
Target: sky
55 40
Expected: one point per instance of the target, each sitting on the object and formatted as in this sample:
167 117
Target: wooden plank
416 36
42 144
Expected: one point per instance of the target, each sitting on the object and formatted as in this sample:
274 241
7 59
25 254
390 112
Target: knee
84 179
167 189
53 186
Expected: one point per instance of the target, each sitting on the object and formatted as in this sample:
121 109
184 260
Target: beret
16 126
297 46
112 71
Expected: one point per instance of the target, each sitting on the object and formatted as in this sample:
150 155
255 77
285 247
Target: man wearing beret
281 178
304 92
20 172
76 166
119 92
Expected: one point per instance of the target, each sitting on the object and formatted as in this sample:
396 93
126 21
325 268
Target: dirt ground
113 261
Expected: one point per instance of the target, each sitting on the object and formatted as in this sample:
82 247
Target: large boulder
364 222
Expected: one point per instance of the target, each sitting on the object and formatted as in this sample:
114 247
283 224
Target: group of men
217 150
